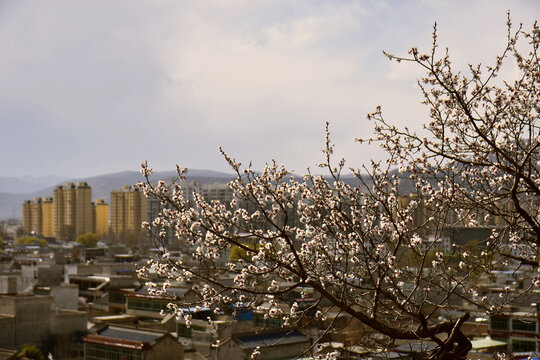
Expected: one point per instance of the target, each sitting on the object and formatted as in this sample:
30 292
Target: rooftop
272 338
128 344
132 334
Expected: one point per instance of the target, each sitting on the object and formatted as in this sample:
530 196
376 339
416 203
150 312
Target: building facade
38 217
120 342
101 217
127 209
519 329
72 207
26 223
47 213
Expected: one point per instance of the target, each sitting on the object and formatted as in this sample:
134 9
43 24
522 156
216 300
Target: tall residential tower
73 211
128 210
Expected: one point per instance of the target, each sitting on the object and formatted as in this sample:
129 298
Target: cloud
102 88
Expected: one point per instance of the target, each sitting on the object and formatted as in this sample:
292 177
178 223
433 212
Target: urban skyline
429 253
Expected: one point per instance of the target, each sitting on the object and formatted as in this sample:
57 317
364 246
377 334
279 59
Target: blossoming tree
362 247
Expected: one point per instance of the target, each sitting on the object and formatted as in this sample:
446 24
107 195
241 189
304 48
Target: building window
260 321
184 331
147 304
522 325
499 323
523 345
117 297
104 352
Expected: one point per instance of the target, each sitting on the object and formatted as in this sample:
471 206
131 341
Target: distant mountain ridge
26 184
102 185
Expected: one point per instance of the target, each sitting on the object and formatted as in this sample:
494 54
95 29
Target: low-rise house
65 296
519 329
146 305
141 303
94 287
31 319
272 345
202 334
25 319
118 342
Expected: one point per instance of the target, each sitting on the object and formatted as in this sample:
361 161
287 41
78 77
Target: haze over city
91 88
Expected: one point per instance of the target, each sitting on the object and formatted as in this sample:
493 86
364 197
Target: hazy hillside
102 185
26 184
10 205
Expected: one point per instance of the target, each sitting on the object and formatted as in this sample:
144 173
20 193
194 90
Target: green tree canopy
88 240
3 232
238 253
30 241
30 351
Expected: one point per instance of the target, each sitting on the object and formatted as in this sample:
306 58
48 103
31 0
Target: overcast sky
92 87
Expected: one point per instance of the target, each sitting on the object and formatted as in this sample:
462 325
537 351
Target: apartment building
38 216
26 223
72 205
127 209
47 215
101 217
70 212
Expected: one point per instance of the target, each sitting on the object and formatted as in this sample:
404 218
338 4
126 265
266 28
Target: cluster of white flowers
364 247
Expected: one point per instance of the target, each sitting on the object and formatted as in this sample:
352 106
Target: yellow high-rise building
36 215
47 213
72 208
101 217
27 217
128 210
117 212
68 213
84 211
58 210
69 199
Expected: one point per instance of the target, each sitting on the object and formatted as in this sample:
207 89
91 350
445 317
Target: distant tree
3 232
478 157
238 253
88 240
19 232
1 242
30 241
30 351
